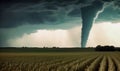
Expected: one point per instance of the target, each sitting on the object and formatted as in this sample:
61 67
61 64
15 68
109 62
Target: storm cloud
18 17
15 13
89 14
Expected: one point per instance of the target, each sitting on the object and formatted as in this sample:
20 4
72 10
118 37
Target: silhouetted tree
105 48
55 47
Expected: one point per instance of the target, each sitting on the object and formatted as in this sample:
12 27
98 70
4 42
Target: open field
60 61
39 50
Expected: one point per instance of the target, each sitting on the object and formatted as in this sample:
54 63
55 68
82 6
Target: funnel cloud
89 14
19 17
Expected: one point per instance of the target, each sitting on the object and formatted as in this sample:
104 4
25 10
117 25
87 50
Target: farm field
61 61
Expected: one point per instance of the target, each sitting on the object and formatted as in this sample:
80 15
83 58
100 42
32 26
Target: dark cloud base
15 13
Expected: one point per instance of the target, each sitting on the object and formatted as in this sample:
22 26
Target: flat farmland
60 61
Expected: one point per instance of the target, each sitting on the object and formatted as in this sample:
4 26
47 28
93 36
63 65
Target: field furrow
95 65
83 61
117 63
111 64
103 64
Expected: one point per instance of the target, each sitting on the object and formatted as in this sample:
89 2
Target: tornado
89 14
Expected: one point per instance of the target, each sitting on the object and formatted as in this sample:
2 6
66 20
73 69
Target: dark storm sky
46 14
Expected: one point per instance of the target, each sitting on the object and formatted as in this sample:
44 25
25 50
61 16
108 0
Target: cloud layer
19 17
17 13
70 37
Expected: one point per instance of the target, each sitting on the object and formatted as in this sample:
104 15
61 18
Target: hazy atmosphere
60 23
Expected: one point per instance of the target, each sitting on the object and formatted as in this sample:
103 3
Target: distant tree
55 47
105 48
24 47
118 49
45 47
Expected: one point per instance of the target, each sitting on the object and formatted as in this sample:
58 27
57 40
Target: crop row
61 62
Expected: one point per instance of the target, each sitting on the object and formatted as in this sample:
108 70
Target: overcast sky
55 23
